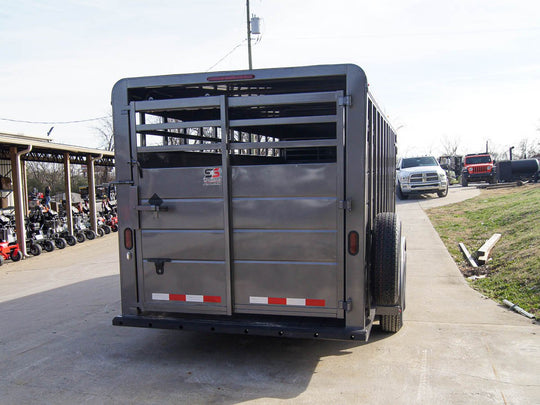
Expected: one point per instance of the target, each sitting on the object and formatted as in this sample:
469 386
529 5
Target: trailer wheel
16 256
35 249
391 323
388 274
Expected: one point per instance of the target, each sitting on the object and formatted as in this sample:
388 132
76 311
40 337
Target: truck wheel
387 260
401 194
443 193
464 182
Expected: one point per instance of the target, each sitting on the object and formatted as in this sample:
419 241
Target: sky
445 73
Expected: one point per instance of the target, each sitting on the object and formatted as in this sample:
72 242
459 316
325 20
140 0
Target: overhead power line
53 122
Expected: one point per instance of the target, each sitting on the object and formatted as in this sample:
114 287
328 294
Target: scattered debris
467 255
518 309
485 250
474 278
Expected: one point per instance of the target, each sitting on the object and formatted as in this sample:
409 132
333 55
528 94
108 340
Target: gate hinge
346 305
345 101
345 205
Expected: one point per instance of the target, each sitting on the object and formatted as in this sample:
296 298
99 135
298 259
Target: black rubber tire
60 243
401 194
48 246
443 193
15 257
71 240
386 283
35 249
464 182
114 228
90 234
1 260
391 323
107 229
80 237
100 232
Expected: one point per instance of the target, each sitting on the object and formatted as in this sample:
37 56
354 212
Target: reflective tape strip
186 297
299 302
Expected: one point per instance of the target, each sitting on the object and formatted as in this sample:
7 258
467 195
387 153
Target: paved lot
57 344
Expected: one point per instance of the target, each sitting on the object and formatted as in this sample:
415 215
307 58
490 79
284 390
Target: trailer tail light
354 243
128 238
229 78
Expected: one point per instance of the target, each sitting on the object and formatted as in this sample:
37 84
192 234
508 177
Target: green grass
514 271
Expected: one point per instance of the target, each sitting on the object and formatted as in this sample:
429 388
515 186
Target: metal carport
19 149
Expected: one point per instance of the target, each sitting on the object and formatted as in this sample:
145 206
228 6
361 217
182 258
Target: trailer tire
387 260
391 323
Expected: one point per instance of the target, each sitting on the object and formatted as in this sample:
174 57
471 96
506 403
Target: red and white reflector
299 302
185 297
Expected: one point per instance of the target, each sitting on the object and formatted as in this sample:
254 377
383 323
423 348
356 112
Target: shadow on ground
61 347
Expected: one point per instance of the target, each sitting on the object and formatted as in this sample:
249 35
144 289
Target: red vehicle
478 167
9 251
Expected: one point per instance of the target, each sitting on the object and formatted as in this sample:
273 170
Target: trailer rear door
240 203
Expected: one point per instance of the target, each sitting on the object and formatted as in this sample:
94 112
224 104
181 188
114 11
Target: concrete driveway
57 344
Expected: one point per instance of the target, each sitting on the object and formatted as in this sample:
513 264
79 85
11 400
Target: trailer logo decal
300 302
212 176
185 297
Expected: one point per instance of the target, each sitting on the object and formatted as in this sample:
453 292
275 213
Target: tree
450 146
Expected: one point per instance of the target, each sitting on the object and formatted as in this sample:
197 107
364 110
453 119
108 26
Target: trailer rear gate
236 194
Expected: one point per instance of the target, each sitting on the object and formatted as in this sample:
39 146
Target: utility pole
248 35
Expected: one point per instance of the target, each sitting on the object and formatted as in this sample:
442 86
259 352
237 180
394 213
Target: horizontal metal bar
179 148
176 104
177 125
283 144
316 119
280 99
180 135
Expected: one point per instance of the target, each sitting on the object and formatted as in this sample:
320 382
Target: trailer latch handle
160 264
155 205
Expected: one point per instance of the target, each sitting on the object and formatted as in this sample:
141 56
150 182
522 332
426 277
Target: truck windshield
418 161
474 160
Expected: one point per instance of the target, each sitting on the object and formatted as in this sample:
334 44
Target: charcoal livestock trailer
258 202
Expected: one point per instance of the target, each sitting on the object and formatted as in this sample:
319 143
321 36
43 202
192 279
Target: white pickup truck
420 175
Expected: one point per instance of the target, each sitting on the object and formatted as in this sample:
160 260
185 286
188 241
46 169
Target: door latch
160 265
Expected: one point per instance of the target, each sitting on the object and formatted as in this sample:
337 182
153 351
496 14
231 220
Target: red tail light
128 238
354 243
